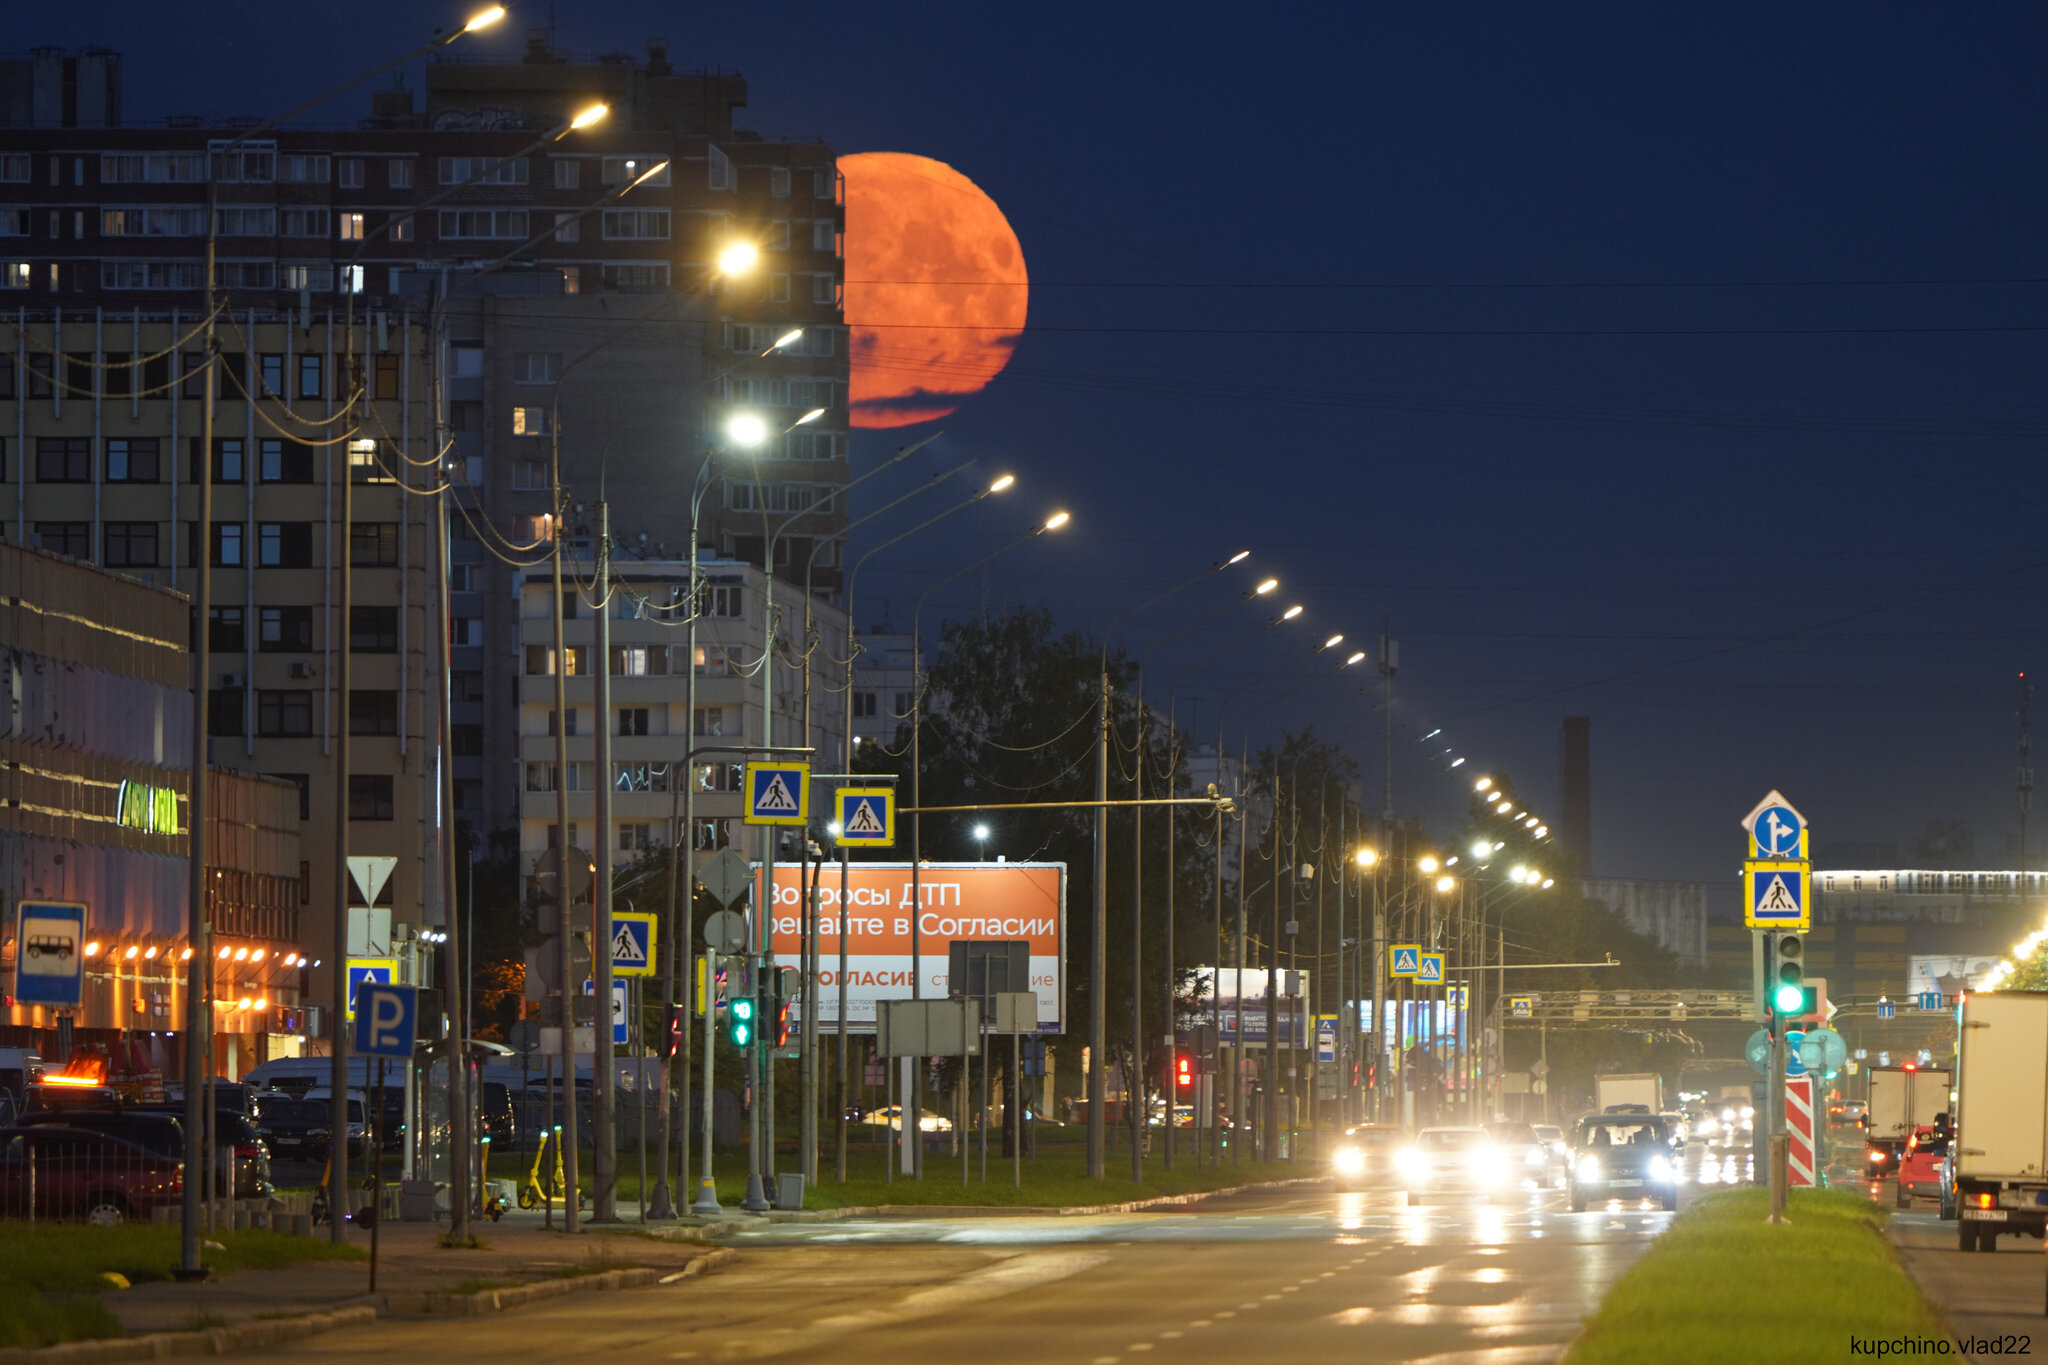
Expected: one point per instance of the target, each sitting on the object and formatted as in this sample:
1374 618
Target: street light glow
1543 831
1291 612
485 19
1265 587
1482 849
981 832
1236 558
1354 658
746 429
1483 784
1002 483
1548 883
1367 857
738 258
588 116
813 415
833 829
1055 521
1333 642
1427 863
1446 883
787 339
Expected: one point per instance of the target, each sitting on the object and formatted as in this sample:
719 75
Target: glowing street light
589 116
1265 587
1446 883
1366 857
738 258
485 18
1427 863
748 429
1055 521
1483 784
1291 612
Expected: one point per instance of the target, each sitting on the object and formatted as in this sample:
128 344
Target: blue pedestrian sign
1402 960
387 1020
778 793
1326 1037
49 953
632 943
1456 996
1885 1008
363 970
1429 969
618 1008
1521 1007
1776 894
1930 1000
867 816
1775 829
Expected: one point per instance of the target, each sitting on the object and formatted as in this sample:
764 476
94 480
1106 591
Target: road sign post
386 1026
1777 885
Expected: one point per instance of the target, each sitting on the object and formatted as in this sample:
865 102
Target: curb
707 1232
215 1341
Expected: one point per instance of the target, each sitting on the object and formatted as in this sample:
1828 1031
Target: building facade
1674 914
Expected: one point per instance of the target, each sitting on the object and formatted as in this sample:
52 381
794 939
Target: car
1920 1166
891 1117
1553 1137
1623 1156
158 1133
1530 1161
1881 1159
57 1173
232 1129
1678 1127
293 1129
1366 1154
358 1123
1452 1160
57 1094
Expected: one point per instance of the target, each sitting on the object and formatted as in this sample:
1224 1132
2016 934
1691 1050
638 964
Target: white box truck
1635 1093
1902 1098
2000 1152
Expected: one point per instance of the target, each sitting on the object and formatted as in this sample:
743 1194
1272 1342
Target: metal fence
73 1175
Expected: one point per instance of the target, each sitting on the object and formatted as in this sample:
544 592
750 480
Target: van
20 1067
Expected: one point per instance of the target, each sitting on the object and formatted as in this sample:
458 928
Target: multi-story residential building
653 730
501 258
884 683
95 777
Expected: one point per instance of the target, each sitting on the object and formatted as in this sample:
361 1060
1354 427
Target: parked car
358 1120
58 1094
1623 1156
1530 1160
232 1130
1453 1160
158 1133
1366 1156
293 1128
81 1174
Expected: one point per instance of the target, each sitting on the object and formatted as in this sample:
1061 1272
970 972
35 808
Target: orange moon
936 289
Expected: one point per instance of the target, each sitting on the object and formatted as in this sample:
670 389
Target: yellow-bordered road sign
778 793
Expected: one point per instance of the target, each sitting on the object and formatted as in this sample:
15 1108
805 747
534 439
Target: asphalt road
1303 1273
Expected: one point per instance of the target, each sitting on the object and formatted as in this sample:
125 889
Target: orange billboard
886 923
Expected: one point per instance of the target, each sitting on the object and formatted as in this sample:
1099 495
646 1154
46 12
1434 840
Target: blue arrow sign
1886 1009
1930 1000
49 953
387 1020
1795 1063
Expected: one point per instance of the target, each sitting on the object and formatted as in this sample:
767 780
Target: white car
1464 1160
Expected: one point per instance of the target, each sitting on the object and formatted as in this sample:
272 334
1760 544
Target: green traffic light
741 1034
1790 998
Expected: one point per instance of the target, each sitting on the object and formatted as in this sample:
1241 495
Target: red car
67 1174
1920 1165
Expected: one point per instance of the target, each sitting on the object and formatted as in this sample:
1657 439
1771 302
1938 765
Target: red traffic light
1184 1070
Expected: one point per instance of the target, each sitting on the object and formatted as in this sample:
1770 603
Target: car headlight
1490 1169
1877 1154
1348 1161
1534 1157
1660 1169
1411 1163
1707 1125
1589 1168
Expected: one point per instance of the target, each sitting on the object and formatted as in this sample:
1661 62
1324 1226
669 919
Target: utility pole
1390 661
1098 950
605 1151
2025 783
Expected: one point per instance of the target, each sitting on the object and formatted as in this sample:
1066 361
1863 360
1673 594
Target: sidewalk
1984 1296
411 1263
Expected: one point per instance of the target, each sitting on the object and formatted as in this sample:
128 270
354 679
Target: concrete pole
1098 954
605 1153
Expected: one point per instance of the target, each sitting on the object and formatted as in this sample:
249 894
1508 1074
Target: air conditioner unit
302 670
231 680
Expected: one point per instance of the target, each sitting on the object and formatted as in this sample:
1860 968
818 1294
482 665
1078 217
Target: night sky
1675 369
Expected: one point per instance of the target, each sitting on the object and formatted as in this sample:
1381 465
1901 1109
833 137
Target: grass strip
1722 1284
49 1275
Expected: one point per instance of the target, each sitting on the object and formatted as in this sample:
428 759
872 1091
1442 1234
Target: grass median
50 1276
1725 1285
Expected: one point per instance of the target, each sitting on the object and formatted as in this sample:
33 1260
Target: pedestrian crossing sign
1429 969
778 793
1401 961
1521 1007
867 816
632 943
1776 894
1455 997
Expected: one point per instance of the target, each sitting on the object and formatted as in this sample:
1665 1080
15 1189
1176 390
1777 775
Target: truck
1902 1098
1639 1092
1999 1155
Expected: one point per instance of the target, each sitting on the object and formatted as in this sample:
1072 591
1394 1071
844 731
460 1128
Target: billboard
1290 1005
1948 974
954 901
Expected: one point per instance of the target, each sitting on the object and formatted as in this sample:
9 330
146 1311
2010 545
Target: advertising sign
1025 901
1290 1008
1946 974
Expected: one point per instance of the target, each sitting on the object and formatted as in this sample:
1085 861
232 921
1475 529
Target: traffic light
671 1031
781 993
739 1021
1791 997
1183 1071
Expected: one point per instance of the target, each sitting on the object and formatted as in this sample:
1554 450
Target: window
398 173
401 229
315 277
463 577
270 370
227 544
467 685
251 274
529 476
224 632
466 741
14 168
778 289
302 169
302 222
778 182
285 544
635 834
284 630
571 731
720 777
187 168
719 173
902 704
369 797
247 220
282 461
63 459
147 222
284 713
373 630
475 223
131 545
227 459
863 705
13 222
540 661
641 777
781 497
569 228
384 381
637 278
778 235
6 378
632 721
825 185
14 274
483 170
372 712
72 538
466 632
536 367
373 544
814 445
348 172
709 720
636 225
720 599
309 376
304 782
824 235
540 777
825 290
618 170
529 421
568 174
152 275
352 227
572 279
224 712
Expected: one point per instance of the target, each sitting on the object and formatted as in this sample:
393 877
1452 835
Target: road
1303 1272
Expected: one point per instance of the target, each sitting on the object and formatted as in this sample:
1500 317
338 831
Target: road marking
1289 1289
1107 1360
1176 1332
1226 1312
1139 1346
